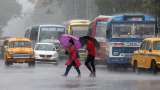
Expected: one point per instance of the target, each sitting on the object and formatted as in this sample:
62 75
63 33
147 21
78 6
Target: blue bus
124 34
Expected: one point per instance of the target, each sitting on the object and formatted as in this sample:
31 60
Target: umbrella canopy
84 40
64 40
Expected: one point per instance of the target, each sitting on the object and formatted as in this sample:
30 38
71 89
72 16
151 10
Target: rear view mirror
150 50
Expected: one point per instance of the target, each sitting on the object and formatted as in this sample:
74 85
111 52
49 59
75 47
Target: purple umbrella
64 40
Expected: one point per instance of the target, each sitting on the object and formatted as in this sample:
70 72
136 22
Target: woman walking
73 59
90 61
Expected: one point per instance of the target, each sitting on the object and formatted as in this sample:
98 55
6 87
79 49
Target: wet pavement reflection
48 77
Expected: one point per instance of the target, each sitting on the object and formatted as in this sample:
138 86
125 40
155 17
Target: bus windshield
101 28
133 30
20 44
121 30
50 33
79 30
144 30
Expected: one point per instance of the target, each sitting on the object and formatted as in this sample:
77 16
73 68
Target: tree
153 6
120 6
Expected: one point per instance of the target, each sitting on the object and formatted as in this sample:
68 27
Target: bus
78 28
97 29
124 34
40 33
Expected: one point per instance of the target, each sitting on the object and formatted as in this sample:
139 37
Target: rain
41 39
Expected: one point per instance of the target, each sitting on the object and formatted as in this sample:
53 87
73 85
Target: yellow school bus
78 28
18 50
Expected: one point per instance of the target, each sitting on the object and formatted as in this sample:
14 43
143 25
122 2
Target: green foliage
153 6
120 6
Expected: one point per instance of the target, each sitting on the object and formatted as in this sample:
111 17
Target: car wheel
135 67
153 67
7 63
31 64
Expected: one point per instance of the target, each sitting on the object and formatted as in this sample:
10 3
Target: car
55 42
46 52
148 55
18 50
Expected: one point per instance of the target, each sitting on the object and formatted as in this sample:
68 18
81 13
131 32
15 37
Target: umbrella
64 40
84 40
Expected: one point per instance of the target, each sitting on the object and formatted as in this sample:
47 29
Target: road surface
48 77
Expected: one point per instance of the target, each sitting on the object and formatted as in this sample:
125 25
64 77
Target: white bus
40 33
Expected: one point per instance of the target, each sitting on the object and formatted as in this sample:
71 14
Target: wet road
48 77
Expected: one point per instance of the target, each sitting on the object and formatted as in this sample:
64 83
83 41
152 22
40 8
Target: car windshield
16 44
45 47
80 30
156 45
50 33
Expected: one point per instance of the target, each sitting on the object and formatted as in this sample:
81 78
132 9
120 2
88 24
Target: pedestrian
73 59
90 61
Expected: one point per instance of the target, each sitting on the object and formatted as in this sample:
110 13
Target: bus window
34 34
50 32
148 45
101 28
79 30
144 30
121 30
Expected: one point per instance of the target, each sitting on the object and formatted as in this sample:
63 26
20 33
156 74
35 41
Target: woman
73 59
90 61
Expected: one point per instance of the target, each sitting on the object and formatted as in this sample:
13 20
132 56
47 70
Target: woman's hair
71 41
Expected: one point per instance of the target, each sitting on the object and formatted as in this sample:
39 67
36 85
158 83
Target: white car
46 52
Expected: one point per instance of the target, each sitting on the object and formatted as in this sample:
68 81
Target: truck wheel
153 67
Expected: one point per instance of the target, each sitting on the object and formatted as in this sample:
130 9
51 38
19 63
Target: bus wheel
153 67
